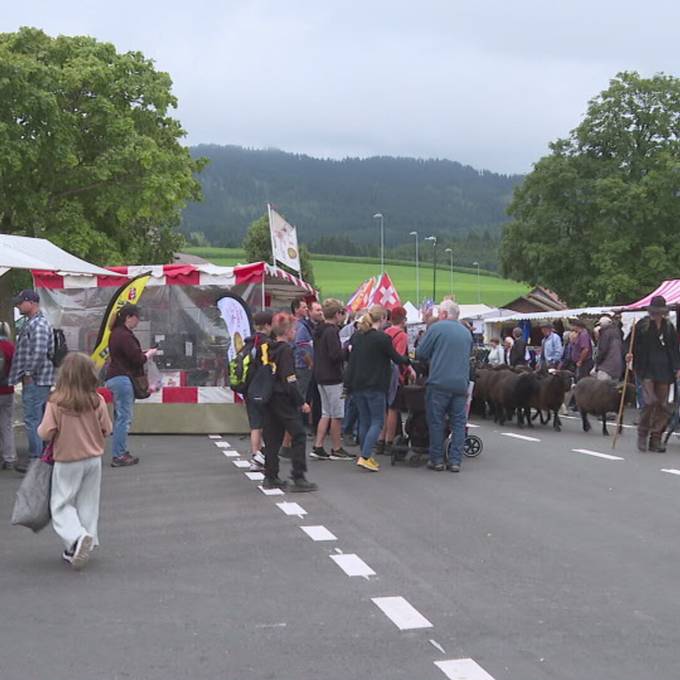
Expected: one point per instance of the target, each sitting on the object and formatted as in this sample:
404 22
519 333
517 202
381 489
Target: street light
450 252
379 216
415 233
479 290
434 267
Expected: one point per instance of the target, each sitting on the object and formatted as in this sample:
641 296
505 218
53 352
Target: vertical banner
284 241
236 316
128 293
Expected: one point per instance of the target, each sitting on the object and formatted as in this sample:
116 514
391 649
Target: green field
340 276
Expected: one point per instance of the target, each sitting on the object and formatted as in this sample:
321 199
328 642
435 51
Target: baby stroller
412 445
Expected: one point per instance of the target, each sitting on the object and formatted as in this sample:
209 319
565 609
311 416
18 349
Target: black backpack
59 347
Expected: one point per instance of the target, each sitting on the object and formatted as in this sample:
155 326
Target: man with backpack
33 367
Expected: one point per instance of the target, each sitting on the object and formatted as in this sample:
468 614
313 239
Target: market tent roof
412 313
476 311
558 314
670 289
24 252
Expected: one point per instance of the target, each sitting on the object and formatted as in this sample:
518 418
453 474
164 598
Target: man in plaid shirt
32 366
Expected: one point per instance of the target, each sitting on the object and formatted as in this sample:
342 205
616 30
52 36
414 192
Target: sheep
513 391
553 385
497 393
597 397
484 378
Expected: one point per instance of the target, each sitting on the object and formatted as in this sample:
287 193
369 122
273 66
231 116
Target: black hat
26 295
658 305
263 318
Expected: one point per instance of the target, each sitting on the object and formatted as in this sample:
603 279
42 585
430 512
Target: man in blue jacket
446 347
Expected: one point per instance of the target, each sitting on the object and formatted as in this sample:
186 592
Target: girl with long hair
76 422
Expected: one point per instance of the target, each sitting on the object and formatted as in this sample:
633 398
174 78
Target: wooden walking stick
619 419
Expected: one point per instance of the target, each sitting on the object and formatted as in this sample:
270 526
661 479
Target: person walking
447 346
496 355
328 368
609 364
656 361
7 446
518 351
126 361
282 412
304 346
76 421
368 376
551 347
32 367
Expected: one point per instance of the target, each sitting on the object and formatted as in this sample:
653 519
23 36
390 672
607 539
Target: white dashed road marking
352 565
402 614
214 436
462 669
671 471
291 509
230 453
271 492
319 533
222 445
241 463
597 454
254 476
523 437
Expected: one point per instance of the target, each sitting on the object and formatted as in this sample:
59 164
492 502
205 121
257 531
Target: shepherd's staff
619 419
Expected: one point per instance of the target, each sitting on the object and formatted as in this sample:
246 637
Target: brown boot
655 445
642 443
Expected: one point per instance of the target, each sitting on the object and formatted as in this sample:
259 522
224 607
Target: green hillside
340 276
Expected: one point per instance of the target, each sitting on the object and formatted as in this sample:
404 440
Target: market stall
179 315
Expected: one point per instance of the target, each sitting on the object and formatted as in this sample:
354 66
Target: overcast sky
487 83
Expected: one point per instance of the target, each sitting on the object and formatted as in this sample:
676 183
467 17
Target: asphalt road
535 562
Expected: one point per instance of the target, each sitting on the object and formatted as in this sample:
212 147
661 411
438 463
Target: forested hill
338 198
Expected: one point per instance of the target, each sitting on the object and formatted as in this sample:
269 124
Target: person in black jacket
282 412
519 349
656 360
368 378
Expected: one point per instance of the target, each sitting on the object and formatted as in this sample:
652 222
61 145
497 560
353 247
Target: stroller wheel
473 446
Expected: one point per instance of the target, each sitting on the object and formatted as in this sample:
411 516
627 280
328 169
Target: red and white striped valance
185 395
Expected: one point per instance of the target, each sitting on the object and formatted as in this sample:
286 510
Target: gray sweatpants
7 448
75 499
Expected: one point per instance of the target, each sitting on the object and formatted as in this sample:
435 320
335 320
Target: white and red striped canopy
176 275
669 289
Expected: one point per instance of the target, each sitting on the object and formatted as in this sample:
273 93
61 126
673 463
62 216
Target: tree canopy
598 219
91 158
258 247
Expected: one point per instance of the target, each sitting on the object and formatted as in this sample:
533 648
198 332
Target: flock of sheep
507 392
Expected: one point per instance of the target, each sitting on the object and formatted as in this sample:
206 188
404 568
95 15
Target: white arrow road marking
462 669
352 565
597 454
319 533
523 437
402 614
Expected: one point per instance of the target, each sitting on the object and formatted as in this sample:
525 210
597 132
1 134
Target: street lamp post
415 233
434 267
379 216
479 290
450 252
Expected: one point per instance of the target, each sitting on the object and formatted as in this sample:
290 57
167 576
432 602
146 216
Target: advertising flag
236 316
128 294
284 241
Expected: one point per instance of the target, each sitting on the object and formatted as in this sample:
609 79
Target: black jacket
285 382
518 353
370 361
328 354
646 342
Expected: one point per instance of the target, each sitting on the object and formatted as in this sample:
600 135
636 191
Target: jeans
439 405
34 397
123 405
371 405
349 422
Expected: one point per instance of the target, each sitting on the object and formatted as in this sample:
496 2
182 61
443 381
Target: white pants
75 499
7 449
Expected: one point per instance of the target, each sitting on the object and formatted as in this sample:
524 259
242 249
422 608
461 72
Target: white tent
412 313
23 252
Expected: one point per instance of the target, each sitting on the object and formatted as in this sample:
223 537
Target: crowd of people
315 374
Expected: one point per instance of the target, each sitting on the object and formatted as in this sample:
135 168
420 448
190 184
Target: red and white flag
385 294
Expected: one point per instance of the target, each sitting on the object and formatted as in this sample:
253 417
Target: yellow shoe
369 464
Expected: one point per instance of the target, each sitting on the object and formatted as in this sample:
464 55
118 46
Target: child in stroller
411 446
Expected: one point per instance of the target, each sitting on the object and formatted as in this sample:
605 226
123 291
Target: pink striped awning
669 289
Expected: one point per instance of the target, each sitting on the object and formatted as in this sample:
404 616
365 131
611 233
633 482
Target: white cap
605 321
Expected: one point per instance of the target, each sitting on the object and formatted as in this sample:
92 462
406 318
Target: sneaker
302 485
67 555
320 453
369 464
258 457
8 465
341 454
81 553
255 466
275 483
124 460
285 452
21 468
437 467
453 468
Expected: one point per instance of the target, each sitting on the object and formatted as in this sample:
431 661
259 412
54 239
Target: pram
411 446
